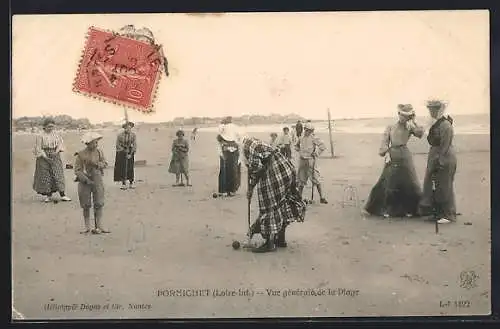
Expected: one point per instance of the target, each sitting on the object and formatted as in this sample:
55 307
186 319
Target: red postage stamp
119 69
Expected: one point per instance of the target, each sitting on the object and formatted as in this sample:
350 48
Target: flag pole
125 112
330 132
125 176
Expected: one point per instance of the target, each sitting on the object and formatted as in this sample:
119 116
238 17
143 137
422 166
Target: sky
357 64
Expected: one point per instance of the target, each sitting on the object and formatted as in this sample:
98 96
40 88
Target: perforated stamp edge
146 110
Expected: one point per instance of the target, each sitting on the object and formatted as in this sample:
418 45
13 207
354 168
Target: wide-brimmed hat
435 104
406 109
308 126
228 132
90 137
128 123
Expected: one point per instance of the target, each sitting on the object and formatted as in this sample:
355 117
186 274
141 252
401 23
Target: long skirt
49 175
397 192
440 201
123 164
179 165
279 200
229 173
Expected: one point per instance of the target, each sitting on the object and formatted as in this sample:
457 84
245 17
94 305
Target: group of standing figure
398 192
271 171
88 168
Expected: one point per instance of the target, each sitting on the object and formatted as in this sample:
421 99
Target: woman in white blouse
49 170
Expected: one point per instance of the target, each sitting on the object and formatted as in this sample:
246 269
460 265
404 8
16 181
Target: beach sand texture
171 238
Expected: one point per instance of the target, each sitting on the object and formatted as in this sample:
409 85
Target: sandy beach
165 238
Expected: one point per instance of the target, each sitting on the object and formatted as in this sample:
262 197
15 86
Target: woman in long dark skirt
229 167
49 170
229 160
439 195
126 146
397 192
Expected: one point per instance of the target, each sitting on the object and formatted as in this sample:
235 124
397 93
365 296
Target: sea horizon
463 124
468 124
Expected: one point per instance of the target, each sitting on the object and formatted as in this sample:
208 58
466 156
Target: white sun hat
90 137
229 132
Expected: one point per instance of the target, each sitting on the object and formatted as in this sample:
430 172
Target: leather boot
280 238
268 246
255 228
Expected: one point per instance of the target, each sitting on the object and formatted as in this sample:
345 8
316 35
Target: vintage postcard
235 165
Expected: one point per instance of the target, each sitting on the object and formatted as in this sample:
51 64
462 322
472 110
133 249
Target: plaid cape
275 177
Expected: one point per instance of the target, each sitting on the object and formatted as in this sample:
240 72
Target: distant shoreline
465 124
263 122
212 130
289 122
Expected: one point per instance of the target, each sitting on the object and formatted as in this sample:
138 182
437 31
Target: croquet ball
236 245
215 195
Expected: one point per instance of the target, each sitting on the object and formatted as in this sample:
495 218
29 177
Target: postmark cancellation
119 69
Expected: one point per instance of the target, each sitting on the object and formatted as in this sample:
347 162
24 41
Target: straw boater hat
90 137
435 104
406 109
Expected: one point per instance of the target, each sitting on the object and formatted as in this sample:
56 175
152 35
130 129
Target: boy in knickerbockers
89 170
